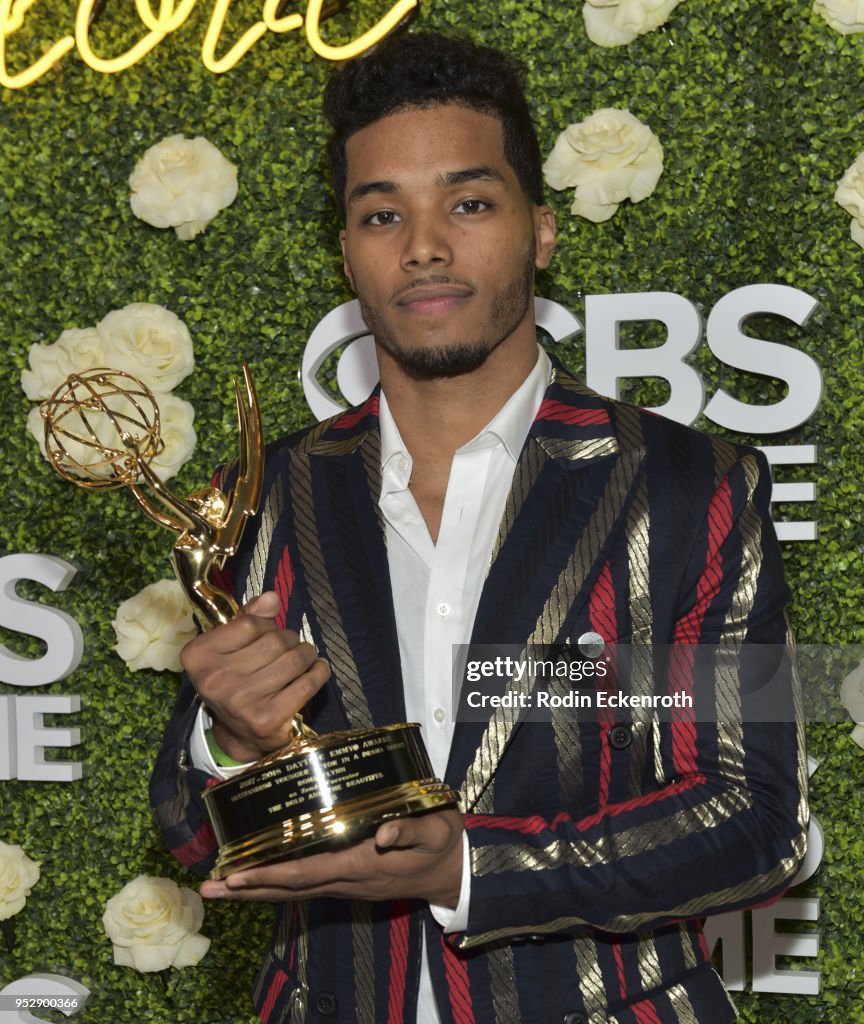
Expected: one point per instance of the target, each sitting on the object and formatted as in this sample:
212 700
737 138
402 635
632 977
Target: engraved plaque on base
322 793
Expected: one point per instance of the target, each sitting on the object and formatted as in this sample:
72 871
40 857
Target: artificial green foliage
757 105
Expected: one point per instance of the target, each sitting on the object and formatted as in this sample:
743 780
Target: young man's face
440 240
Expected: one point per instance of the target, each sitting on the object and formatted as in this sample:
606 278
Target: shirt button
443 609
620 737
401 463
440 715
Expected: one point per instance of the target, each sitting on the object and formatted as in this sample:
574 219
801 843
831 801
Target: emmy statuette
317 793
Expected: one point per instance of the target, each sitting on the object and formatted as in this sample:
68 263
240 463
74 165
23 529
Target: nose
427 243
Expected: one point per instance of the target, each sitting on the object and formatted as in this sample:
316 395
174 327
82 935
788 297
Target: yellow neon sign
385 25
170 16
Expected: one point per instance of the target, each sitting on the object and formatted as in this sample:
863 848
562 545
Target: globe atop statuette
100 426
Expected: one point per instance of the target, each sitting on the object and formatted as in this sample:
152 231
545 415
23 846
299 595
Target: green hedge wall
757 104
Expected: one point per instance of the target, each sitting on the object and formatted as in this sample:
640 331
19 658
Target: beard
459 355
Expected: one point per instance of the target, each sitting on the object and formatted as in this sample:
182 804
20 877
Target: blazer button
620 737
325 1004
575 1018
591 645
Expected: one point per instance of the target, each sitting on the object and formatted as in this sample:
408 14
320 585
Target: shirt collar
509 426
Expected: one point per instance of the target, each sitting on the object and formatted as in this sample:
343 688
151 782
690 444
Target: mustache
431 279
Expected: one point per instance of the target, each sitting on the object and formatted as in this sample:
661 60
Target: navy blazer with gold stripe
596 844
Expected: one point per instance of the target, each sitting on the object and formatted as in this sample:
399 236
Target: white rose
76 350
182 183
609 157
852 693
153 627
18 875
852 698
846 16
618 22
148 341
85 455
178 436
850 195
153 924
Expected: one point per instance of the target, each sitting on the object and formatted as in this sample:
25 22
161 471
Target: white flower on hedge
178 436
153 627
846 16
609 157
77 451
182 183
75 351
18 875
850 195
153 924
852 698
148 341
618 22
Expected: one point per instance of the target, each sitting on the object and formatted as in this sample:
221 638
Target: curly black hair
425 69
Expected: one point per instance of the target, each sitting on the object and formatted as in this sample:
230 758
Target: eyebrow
471 174
446 180
368 188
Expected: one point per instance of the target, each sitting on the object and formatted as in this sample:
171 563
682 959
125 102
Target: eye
472 206
381 218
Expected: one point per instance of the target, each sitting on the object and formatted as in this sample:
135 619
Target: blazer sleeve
722 821
176 789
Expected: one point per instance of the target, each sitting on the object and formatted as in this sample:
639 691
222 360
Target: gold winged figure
210 522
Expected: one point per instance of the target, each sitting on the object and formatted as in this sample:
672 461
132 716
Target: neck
438 415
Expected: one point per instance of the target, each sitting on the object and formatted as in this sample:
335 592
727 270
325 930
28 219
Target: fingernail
213 891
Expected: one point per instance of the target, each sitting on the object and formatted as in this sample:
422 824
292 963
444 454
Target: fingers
427 833
265 605
262 706
264 659
254 677
219 891
316 871
270 656
389 834
337 873
410 857
256 618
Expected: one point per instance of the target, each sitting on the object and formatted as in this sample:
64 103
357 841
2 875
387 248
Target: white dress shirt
436 587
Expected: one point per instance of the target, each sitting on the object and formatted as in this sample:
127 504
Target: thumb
395 833
266 605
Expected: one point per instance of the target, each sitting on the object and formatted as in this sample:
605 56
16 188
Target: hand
409 858
253 676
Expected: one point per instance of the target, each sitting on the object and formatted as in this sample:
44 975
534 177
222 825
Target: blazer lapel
335 484
575 477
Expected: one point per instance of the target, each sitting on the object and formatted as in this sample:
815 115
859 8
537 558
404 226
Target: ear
544 236
346 266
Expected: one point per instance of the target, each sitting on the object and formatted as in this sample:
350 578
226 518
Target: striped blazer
597 842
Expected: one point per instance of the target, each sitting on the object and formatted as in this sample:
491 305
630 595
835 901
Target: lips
433 298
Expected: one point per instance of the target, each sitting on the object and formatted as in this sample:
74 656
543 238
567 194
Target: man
482 494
